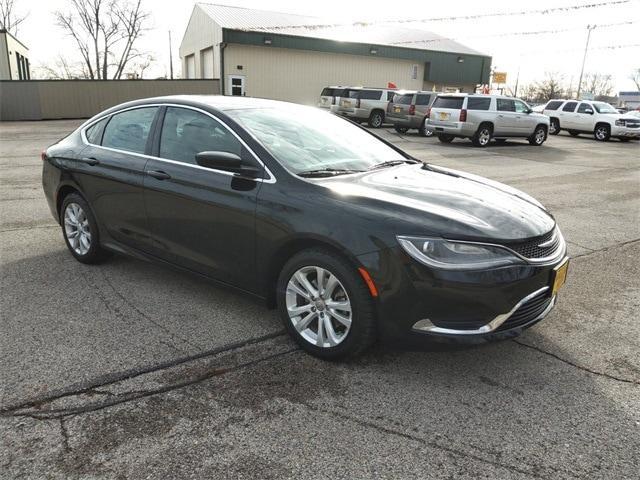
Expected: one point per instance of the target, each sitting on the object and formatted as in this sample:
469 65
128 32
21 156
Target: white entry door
235 85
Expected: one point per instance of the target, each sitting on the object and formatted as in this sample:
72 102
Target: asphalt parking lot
128 370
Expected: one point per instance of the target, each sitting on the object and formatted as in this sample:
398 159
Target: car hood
447 202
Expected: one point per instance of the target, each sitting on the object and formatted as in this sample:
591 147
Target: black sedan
351 238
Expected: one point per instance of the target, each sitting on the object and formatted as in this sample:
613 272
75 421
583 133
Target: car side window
584 107
553 105
370 95
129 130
94 132
506 105
423 99
390 96
478 103
569 106
521 107
186 132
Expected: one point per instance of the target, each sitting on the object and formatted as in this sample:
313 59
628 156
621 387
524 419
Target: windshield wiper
391 163
327 172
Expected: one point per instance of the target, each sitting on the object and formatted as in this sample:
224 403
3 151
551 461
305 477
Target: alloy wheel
539 138
601 133
484 136
77 229
318 306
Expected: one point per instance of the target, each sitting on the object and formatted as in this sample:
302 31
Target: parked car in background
408 110
538 108
597 118
365 104
330 96
482 118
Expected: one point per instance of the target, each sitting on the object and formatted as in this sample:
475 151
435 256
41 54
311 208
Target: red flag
391 85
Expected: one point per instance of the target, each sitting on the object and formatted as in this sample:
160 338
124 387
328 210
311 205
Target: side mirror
589 111
528 111
228 162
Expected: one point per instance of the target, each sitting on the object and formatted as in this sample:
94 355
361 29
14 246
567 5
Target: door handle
91 161
501 116
159 174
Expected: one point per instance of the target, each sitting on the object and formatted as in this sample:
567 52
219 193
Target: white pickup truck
597 118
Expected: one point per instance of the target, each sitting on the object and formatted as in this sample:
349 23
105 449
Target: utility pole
584 59
170 58
515 93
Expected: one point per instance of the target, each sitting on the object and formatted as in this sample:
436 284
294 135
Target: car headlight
454 255
620 123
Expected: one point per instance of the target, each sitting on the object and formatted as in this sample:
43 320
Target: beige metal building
14 58
292 57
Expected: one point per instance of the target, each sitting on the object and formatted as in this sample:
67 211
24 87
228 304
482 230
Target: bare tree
550 87
137 68
62 69
105 32
9 19
599 84
635 77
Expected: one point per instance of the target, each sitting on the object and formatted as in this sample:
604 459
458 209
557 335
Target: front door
201 219
235 85
525 122
506 121
584 118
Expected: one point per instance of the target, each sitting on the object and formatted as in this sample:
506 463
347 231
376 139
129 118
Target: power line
541 11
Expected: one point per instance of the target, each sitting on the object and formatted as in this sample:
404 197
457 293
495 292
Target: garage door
190 65
206 61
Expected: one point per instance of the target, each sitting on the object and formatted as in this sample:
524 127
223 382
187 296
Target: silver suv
408 109
485 117
365 103
330 96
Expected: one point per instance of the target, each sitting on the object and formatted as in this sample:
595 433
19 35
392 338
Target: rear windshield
448 102
553 105
331 92
478 103
403 99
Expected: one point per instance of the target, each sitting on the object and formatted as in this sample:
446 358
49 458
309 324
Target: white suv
365 103
597 118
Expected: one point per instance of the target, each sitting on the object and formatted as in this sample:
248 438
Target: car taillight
43 156
463 115
428 114
358 103
333 100
388 107
412 109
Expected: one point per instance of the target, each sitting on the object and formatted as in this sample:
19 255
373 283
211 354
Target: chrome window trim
426 325
83 128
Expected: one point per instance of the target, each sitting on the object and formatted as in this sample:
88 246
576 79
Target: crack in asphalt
109 379
604 249
65 435
31 227
575 365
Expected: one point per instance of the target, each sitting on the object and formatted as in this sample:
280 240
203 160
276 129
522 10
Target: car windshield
602 107
304 139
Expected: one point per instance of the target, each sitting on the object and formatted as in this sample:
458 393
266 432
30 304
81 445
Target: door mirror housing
528 111
588 111
228 162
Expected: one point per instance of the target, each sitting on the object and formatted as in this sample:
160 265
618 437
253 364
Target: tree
635 77
599 84
550 87
105 32
9 20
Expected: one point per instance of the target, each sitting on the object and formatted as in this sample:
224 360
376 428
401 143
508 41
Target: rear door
446 110
202 219
507 119
567 116
422 102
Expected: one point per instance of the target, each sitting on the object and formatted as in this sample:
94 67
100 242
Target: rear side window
186 132
129 130
553 105
94 132
338 92
370 94
403 99
569 107
351 93
423 99
584 107
478 103
505 105
449 102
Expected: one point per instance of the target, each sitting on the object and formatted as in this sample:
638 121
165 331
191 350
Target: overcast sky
532 55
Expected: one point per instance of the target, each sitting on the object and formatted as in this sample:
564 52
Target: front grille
527 312
632 124
531 248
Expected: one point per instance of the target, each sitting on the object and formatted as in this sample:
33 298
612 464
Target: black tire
539 136
362 332
554 126
400 129
573 133
423 131
95 253
501 141
602 132
376 119
482 137
445 137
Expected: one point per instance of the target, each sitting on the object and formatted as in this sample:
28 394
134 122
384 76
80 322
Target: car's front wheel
326 305
602 132
80 230
554 126
424 131
539 136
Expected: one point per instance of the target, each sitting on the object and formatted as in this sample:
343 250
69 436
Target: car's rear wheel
445 137
325 305
602 132
554 126
574 133
400 129
80 230
482 136
539 136
376 119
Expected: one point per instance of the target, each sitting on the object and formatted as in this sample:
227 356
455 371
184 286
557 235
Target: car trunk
446 109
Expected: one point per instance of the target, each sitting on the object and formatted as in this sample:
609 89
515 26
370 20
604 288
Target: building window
414 72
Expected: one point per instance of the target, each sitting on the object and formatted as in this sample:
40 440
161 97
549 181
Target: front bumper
416 301
625 132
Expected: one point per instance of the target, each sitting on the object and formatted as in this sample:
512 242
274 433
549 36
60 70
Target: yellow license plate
559 276
444 116
397 109
346 104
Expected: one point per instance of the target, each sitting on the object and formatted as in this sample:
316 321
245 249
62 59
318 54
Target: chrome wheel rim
540 136
318 306
484 137
601 133
428 133
76 229
552 127
376 120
